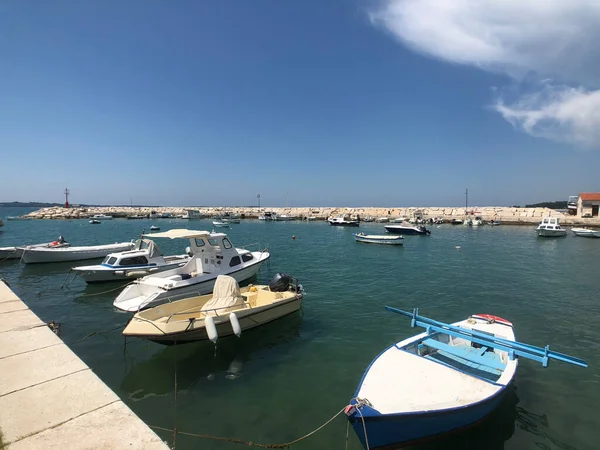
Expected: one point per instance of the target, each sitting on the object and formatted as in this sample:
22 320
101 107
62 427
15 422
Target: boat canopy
147 244
179 233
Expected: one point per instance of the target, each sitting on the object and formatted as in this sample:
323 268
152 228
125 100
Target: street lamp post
258 197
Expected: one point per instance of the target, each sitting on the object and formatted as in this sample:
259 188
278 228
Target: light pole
258 197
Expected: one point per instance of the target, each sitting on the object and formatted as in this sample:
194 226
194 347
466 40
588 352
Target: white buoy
235 324
211 329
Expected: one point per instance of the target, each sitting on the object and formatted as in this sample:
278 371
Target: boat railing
255 247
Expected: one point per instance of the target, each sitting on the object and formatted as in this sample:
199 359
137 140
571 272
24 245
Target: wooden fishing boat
227 311
378 239
449 377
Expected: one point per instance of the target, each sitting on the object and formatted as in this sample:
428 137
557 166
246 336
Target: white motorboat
228 311
268 215
34 255
407 228
549 227
382 219
398 220
145 258
586 232
17 252
95 221
220 224
343 220
477 221
378 239
101 217
212 254
154 228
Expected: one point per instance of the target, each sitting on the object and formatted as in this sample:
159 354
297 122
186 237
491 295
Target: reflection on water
537 424
203 362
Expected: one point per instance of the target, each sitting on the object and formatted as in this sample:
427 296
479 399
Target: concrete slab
21 341
26 369
111 427
6 295
12 305
54 402
19 320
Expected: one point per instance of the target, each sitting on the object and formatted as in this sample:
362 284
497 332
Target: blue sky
336 103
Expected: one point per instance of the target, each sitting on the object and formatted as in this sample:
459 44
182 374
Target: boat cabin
142 255
209 252
549 223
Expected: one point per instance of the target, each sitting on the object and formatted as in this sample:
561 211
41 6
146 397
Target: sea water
280 381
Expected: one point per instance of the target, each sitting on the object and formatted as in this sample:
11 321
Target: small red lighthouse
66 198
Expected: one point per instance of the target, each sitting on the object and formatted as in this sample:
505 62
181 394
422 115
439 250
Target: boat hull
140 296
344 224
102 274
551 233
583 232
223 326
396 240
49 255
390 431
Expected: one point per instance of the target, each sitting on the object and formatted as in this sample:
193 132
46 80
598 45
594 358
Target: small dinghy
448 377
378 239
17 252
34 255
154 228
227 311
94 221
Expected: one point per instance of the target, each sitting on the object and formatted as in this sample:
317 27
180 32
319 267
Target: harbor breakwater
507 215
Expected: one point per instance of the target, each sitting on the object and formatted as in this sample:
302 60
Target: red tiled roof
590 196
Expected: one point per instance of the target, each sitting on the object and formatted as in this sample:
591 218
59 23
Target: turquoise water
279 382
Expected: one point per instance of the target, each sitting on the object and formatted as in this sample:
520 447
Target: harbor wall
49 398
507 215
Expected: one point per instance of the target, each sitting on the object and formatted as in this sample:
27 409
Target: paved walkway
49 398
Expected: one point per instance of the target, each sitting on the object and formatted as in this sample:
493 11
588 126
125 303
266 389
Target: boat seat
472 354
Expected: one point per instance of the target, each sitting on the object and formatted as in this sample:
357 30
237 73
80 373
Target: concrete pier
49 398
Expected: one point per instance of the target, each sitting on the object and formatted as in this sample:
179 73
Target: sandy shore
507 215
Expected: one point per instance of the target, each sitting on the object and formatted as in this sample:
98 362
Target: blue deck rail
513 348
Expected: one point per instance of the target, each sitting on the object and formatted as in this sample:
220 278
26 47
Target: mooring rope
250 443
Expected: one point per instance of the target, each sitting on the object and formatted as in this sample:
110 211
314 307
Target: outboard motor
61 240
280 282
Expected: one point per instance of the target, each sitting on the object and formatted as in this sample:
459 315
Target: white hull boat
17 252
343 220
447 378
49 255
219 224
549 227
212 254
408 229
228 311
101 217
586 232
378 239
144 259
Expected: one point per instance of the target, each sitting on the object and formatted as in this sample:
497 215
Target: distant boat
219 224
586 232
456 222
154 228
343 220
101 217
378 239
407 228
446 378
95 221
495 223
549 227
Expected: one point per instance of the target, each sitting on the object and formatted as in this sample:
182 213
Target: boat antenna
466 200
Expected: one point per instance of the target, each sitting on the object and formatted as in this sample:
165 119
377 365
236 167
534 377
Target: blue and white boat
449 377
378 239
145 258
407 228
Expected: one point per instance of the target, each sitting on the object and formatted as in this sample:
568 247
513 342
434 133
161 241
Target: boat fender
137 273
235 324
211 329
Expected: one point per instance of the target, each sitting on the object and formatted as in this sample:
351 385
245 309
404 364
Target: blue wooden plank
512 347
464 353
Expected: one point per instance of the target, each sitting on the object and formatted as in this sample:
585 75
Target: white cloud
536 39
